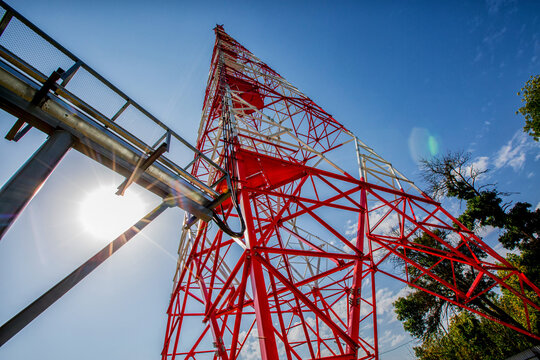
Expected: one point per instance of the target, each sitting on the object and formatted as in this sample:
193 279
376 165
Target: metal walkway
48 88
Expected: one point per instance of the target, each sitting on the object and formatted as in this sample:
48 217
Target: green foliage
470 337
422 313
484 209
522 232
453 175
522 227
531 110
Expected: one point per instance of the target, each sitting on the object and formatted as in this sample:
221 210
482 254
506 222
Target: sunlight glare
105 215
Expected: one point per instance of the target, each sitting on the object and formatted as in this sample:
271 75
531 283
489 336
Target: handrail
25 66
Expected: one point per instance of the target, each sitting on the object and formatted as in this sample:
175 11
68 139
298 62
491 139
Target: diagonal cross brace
351 342
141 166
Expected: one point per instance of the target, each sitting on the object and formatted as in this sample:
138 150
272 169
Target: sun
104 214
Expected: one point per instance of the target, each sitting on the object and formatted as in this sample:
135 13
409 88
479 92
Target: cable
397 347
230 168
226 229
224 226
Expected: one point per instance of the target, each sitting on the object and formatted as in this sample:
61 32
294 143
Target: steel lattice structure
319 215
299 281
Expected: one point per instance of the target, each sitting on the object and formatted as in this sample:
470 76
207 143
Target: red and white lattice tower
300 283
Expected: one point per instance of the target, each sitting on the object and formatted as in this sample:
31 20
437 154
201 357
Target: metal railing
34 54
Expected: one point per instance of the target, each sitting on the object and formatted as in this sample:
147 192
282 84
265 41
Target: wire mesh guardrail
33 53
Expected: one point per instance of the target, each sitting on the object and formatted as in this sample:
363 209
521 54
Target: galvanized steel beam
21 188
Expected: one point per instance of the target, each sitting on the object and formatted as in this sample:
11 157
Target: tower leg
265 327
356 290
22 186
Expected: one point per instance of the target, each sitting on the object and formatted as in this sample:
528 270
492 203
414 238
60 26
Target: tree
445 328
470 337
453 175
423 314
531 110
522 232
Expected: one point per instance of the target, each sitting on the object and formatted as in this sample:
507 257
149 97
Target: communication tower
300 283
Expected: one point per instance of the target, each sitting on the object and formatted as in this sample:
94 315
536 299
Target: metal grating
31 52
95 93
30 47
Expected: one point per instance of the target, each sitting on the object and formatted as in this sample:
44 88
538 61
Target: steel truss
300 283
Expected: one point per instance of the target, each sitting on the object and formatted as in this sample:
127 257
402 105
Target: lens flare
422 144
106 215
433 145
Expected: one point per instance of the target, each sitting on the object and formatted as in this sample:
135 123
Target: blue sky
408 80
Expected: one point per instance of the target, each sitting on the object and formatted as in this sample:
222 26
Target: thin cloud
494 37
479 55
389 337
494 6
251 349
484 231
536 51
386 299
514 152
478 166
501 250
397 339
481 163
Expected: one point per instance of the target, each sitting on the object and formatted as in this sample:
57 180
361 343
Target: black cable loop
230 167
